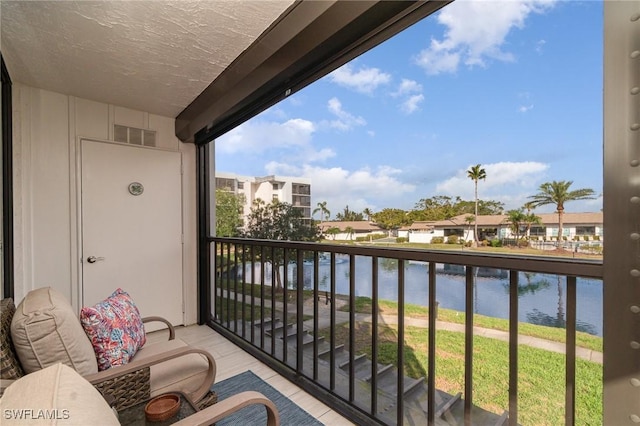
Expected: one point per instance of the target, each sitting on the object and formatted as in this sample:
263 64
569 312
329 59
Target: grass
541 379
584 340
237 313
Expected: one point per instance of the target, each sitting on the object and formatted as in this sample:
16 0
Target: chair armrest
231 405
135 365
172 331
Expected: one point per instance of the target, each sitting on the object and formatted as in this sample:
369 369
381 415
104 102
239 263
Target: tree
469 219
349 231
515 219
228 213
368 213
391 218
324 211
333 231
277 221
557 192
349 215
475 173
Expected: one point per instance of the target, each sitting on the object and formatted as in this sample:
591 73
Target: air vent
134 136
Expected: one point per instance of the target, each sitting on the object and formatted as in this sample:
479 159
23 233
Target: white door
132 226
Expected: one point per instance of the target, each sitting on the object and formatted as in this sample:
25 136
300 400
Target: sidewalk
535 342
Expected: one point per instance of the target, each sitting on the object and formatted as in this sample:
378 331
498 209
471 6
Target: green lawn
541 378
585 340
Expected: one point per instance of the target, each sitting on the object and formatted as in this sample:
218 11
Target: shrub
523 243
437 240
377 236
484 243
401 240
453 239
496 243
361 239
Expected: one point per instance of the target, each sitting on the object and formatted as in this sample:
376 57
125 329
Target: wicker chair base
209 399
128 389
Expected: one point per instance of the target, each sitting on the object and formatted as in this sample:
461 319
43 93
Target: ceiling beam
311 39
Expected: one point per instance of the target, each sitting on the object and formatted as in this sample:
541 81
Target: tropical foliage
228 213
558 193
476 173
277 221
349 215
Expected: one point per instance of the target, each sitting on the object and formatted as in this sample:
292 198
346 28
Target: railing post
621 212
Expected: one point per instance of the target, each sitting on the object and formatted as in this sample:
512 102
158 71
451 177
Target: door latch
93 259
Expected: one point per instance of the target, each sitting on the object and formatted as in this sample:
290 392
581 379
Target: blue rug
290 413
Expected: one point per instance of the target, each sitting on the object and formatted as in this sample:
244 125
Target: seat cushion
9 366
115 329
181 374
45 331
56 395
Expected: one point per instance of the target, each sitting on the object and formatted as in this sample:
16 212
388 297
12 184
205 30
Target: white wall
47 127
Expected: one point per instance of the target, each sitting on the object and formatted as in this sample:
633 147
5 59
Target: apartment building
286 189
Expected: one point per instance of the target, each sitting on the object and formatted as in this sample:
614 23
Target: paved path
535 342
324 321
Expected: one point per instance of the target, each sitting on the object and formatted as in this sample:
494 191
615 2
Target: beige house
576 226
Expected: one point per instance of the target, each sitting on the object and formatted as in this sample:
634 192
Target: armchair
58 394
45 331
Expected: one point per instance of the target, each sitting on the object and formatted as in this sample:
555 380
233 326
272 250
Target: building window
302 189
274 197
240 185
275 186
585 230
226 184
538 231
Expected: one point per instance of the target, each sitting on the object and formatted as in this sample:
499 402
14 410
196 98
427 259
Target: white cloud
346 120
509 182
412 103
476 31
525 108
411 92
365 80
258 136
540 45
407 87
341 187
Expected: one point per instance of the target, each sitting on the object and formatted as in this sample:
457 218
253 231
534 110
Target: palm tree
324 211
368 213
557 192
475 173
349 230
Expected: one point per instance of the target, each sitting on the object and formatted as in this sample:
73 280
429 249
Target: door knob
93 259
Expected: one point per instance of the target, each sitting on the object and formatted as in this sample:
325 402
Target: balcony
359 330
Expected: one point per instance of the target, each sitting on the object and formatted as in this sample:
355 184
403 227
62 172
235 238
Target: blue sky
513 85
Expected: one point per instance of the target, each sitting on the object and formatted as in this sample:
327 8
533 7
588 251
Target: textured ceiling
148 55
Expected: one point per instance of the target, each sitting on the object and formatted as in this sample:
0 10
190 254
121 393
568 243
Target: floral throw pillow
115 329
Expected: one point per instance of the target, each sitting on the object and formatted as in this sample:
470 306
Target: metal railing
246 306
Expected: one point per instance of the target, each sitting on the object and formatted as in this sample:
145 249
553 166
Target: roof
358 225
419 225
592 218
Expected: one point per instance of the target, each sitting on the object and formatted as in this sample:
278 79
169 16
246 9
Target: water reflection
541 296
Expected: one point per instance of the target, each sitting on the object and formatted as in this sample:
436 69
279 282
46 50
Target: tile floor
232 360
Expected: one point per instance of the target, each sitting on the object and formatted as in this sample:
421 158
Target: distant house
576 227
361 228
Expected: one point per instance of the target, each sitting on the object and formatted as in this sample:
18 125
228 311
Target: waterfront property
576 227
84 213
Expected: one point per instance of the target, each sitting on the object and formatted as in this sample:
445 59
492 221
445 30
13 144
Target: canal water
542 297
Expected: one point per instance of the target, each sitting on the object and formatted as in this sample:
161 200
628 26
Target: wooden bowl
162 407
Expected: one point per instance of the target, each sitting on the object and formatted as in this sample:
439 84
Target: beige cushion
56 395
184 374
46 331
